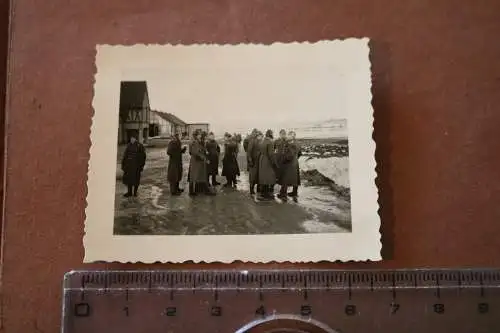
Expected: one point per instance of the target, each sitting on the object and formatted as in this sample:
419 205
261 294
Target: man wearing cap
213 152
267 166
248 138
282 158
174 171
291 175
133 162
197 175
253 153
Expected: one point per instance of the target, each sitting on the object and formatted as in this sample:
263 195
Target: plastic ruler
232 301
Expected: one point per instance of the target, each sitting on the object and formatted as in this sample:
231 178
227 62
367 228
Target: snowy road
231 211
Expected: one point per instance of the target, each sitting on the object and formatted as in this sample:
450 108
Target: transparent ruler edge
294 280
289 279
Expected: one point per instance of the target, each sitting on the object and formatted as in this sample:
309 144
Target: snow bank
334 168
320 227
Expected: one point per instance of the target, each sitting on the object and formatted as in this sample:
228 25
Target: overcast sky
258 90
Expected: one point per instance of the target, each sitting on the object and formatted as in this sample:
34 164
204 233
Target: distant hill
341 123
329 128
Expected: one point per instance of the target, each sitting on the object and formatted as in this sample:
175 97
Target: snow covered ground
334 168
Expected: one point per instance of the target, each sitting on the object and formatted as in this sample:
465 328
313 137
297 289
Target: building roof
132 94
170 118
177 120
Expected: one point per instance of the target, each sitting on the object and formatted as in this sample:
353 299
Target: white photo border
362 244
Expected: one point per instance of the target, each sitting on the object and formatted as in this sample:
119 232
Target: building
179 125
134 114
197 126
165 124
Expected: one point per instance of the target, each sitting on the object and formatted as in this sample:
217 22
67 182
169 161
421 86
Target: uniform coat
267 163
280 146
246 143
299 154
230 168
133 163
283 157
197 163
290 165
213 150
253 154
174 152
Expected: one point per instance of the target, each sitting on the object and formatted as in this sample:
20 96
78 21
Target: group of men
272 162
204 153
269 162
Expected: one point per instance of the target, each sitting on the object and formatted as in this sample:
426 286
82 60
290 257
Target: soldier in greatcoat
213 151
289 167
297 149
267 166
203 141
197 176
246 142
174 173
230 168
133 162
248 138
253 153
280 148
237 139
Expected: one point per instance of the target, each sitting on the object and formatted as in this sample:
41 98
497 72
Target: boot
174 189
209 190
252 189
214 180
229 182
129 191
267 192
261 189
283 192
294 192
192 189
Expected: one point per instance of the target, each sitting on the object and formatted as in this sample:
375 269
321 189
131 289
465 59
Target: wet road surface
231 211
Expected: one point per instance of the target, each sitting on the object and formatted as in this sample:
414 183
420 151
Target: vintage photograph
232 141
193 172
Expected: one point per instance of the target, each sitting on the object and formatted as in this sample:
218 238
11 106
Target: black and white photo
233 152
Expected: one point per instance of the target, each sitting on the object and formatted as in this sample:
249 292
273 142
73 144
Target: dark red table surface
436 87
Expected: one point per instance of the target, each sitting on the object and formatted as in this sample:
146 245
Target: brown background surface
436 86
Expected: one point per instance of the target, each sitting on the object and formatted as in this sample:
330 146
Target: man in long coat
253 153
289 167
174 173
197 166
213 151
267 166
280 148
246 142
230 167
248 138
297 149
133 162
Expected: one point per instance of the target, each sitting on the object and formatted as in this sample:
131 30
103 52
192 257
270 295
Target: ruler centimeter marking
233 278
92 297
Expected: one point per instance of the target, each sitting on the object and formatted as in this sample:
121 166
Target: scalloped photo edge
314 97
